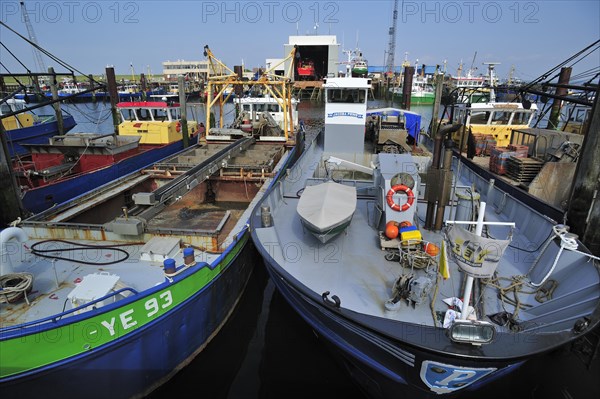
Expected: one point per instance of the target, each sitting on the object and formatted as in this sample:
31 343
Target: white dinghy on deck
327 209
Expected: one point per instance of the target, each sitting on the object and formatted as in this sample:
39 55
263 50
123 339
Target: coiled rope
13 286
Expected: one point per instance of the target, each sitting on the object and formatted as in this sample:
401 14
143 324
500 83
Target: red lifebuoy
390 197
178 127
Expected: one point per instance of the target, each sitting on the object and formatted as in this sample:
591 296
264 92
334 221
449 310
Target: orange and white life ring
390 197
178 127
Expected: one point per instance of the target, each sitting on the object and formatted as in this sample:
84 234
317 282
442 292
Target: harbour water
266 350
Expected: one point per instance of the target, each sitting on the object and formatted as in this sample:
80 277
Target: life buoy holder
390 197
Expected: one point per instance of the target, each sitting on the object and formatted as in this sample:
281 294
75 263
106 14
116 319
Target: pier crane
389 70
222 78
37 55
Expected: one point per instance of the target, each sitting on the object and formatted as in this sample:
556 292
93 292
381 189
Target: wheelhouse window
174 113
521 118
128 114
500 118
480 117
347 96
5 109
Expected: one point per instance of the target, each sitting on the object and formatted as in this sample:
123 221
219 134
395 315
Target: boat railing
55 318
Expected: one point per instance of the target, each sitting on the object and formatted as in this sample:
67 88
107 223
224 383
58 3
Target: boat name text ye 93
127 318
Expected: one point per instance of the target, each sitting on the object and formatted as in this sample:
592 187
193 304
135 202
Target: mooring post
144 85
91 80
563 78
409 71
439 85
111 81
182 104
54 90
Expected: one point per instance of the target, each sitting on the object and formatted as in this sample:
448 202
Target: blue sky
533 36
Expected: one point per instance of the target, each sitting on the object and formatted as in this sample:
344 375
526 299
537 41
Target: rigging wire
49 55
15 57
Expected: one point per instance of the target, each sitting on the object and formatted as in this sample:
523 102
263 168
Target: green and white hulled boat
110 294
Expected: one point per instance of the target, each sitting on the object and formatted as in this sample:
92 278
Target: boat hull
359 71
417 99
36 134
41 198
422 99
384 367
135 363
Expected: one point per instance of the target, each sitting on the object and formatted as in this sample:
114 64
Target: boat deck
204 215
353 267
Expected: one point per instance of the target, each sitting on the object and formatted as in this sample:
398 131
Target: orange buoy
406 223
432 249
391 231
391 223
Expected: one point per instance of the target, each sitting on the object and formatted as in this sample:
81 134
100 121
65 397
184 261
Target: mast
491 66
392 42
39 61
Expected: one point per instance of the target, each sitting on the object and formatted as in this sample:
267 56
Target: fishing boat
422 91
149 267
24 127
471 89
70 88
265 112
494 120
436 282
360 67
66 166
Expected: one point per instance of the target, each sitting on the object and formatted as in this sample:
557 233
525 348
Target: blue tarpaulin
413 120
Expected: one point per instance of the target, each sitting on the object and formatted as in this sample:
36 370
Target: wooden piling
583 215
57 110
91 80
439 86
563 79
144 86
111 81
182 104
409 71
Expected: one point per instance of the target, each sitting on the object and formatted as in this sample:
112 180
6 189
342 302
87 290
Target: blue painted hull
41 198
383 367
143 360
36 134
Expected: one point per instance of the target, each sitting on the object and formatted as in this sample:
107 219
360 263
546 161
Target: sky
532 36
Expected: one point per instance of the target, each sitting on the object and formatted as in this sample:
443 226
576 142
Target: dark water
266 350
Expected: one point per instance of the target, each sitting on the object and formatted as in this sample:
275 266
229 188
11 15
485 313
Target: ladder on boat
316 93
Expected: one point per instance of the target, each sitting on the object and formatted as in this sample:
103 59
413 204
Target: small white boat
326 209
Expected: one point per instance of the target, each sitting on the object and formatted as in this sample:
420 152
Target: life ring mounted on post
400 188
